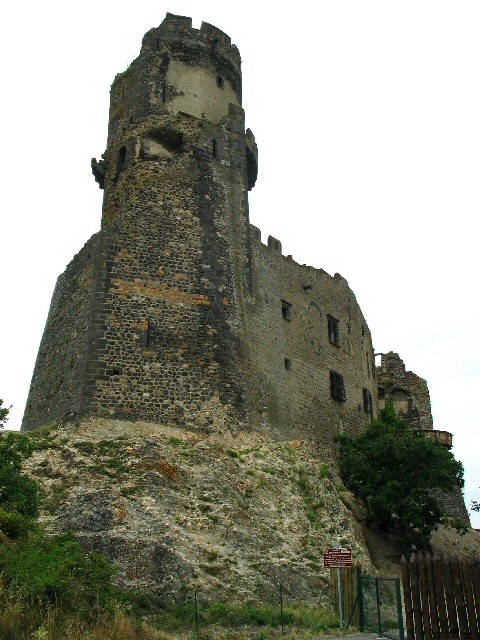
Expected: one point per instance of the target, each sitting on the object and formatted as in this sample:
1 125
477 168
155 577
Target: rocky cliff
174 509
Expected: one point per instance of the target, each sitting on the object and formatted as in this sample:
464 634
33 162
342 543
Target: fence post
354 575
399 609
422 580
407 598
432 597
459 597
340 595
379 617
281 610
360 602
450 598
197 634
416 602
440 596
475 573
469 599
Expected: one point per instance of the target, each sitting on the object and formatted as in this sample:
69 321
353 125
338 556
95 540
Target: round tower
176 173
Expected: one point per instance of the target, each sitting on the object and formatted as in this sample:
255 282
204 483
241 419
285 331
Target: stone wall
57 380
293 351
405 390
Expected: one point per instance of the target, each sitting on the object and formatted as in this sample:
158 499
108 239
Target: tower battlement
179 29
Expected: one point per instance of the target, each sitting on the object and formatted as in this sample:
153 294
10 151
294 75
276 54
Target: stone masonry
175 312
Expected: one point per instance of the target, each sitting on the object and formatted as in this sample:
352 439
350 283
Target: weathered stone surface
174 508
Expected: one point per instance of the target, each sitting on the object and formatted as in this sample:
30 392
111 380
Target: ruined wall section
405 390
411 400
290 323
57 380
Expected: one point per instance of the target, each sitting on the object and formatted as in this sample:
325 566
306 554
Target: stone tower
146 322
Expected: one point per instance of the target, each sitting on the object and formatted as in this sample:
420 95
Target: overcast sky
367 118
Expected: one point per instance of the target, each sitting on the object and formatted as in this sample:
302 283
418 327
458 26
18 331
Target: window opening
288 364
214 148
337 387
333 330
121 159
286 310
367 403
150 334
220 82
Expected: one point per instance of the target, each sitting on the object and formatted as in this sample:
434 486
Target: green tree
395 470
18 492
4 411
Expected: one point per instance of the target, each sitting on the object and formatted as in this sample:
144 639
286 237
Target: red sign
337 558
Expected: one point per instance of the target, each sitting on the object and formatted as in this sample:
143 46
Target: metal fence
380 604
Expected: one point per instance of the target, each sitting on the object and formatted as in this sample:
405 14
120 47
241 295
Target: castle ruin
175 311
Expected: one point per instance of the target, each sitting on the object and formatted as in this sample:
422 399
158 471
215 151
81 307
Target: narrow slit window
150 335
214 148
367 403
288 364
121 159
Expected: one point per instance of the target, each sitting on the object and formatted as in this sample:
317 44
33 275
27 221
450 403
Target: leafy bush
395 469
57 570
18 493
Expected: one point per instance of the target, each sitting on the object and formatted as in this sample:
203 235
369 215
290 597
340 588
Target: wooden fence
442 597
349 577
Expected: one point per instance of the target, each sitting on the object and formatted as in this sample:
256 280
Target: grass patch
85 447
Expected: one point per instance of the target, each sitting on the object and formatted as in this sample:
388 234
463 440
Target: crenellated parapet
273 248
179 29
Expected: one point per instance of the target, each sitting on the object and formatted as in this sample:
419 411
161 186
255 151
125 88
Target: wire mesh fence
381 606
284 614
